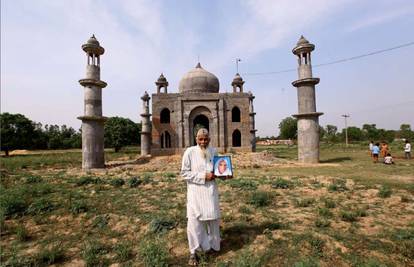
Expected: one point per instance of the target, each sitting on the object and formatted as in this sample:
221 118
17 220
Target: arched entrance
236 138
200 121
200 117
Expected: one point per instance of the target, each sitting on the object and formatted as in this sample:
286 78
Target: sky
42 59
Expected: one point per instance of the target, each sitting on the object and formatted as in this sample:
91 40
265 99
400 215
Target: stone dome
198 80
93 40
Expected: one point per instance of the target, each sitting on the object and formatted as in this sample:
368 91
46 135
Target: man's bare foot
193 261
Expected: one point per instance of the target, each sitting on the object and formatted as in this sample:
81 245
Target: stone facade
229 117
308 118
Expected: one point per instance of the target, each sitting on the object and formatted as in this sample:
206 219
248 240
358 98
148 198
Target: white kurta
202 195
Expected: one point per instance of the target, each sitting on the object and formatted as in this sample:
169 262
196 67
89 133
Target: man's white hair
202 131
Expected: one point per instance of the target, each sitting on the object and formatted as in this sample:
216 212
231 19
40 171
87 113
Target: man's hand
210 176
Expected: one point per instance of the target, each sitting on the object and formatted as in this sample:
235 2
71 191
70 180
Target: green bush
117 182
100 221
282 183
93 252
85 180
247 259
338 185
161 225
50 256
33 179
13 202
325 212
384 192
40 206
123 251
242 184
260 199
134 182
322 223
303 203
21 233
329 203
154 252
78 206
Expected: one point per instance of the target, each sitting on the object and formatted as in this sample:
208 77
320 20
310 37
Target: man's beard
205 153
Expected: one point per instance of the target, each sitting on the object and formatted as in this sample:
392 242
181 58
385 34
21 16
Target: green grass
282 215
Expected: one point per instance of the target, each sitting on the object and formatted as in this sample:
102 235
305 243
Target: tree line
329 133
19 132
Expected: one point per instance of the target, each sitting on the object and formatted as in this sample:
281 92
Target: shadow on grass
336 160
238 235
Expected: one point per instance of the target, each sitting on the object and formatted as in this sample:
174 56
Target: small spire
198 66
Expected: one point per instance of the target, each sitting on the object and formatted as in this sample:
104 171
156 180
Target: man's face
203 140
222 166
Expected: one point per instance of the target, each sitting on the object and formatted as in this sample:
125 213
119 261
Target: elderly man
203 211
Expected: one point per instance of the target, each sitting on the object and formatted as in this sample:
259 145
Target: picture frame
222 166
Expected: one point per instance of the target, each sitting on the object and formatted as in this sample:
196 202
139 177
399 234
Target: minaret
237 83
146 127
308 118
162 83
92 120
252 122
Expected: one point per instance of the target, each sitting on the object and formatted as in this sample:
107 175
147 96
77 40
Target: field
346 211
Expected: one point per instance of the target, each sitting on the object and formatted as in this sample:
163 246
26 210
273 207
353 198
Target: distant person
371 145
375 152
407 149
388 159
384 149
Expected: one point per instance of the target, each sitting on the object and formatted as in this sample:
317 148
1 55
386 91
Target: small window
235 114
165 116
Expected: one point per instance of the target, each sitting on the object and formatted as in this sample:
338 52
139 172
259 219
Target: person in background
375 152
384 149
388 159
371 145
407 149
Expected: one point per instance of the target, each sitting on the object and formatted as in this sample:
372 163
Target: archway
236 138
200 121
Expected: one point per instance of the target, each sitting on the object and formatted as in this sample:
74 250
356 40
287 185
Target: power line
336 61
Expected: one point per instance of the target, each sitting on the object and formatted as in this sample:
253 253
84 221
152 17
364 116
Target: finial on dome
198 66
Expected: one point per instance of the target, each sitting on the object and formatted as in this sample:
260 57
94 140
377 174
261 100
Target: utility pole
346 116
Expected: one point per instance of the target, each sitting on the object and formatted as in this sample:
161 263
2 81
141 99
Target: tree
406 132
120 132
354 134
331 133
288 128
17 132
370 131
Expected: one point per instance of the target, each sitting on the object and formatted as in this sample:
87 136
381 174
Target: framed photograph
222 166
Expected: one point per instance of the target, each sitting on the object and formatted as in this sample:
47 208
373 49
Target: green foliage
40 206
260 199
16 132
247 259
306 262
331 133
282 183
33 179
12 202
78 206
322 223
384 192
85 180
338 185
117 182
329 203
120 132
93 252
243 184
154 252
48 256
21 233
134 181
325 212
352 215
123 251
303 203
100 221
288 128
161 225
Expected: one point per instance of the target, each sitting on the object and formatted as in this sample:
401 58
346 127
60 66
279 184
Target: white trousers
203 235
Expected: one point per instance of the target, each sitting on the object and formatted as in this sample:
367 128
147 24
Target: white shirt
407 147
202 195
388 160
371 145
